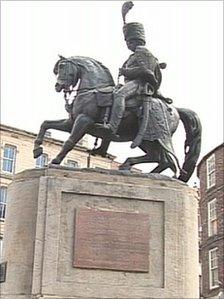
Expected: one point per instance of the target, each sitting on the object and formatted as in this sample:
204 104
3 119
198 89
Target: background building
211 175
17 155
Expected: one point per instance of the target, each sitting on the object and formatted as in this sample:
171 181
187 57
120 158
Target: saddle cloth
160 114
157 127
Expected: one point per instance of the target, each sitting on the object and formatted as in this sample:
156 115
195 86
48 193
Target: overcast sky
187 35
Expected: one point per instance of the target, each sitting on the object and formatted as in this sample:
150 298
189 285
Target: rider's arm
139 72
134 72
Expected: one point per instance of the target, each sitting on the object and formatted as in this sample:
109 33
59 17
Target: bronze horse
88 109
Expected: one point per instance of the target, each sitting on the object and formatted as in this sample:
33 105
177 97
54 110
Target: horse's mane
86 62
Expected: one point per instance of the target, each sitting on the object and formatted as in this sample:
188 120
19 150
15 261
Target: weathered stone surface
111 240
41 211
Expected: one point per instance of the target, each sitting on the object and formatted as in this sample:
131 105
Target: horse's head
67 74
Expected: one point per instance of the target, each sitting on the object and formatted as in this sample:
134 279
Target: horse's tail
192 145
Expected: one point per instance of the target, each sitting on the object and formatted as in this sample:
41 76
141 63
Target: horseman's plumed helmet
134 30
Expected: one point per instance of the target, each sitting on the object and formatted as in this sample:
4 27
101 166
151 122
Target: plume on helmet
125 9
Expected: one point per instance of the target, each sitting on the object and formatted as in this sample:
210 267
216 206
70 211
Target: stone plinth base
99 234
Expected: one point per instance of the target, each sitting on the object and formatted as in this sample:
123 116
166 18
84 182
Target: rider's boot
115 118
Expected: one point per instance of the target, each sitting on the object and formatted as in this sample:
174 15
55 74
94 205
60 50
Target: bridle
67 93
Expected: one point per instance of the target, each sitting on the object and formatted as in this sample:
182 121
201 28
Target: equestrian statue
135 111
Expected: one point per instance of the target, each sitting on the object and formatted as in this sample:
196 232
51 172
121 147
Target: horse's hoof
55 161
97 151
124 167
37 152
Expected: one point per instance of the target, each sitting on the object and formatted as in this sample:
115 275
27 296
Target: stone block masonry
100 235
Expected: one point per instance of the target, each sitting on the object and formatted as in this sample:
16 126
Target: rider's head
134 35
133 43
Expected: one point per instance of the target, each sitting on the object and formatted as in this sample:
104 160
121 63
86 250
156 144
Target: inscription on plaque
111 240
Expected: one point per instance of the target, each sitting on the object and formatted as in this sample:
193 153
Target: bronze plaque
111 240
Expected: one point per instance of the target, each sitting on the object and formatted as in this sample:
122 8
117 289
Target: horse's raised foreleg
79 129
61 125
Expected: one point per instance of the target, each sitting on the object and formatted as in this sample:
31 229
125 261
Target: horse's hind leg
165 162
150 157
154 154
61 125
135 160
79 129
160 156
102 149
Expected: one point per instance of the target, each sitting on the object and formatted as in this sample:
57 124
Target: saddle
104 98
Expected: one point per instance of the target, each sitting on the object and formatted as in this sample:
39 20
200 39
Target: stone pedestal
99 234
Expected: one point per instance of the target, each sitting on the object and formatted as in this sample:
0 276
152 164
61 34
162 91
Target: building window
9 158
1 247
3 195
212 217
213 268
72 163
42 161
211 171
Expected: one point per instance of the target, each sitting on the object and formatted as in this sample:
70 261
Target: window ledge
214 287
7 175
212 236
210 187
